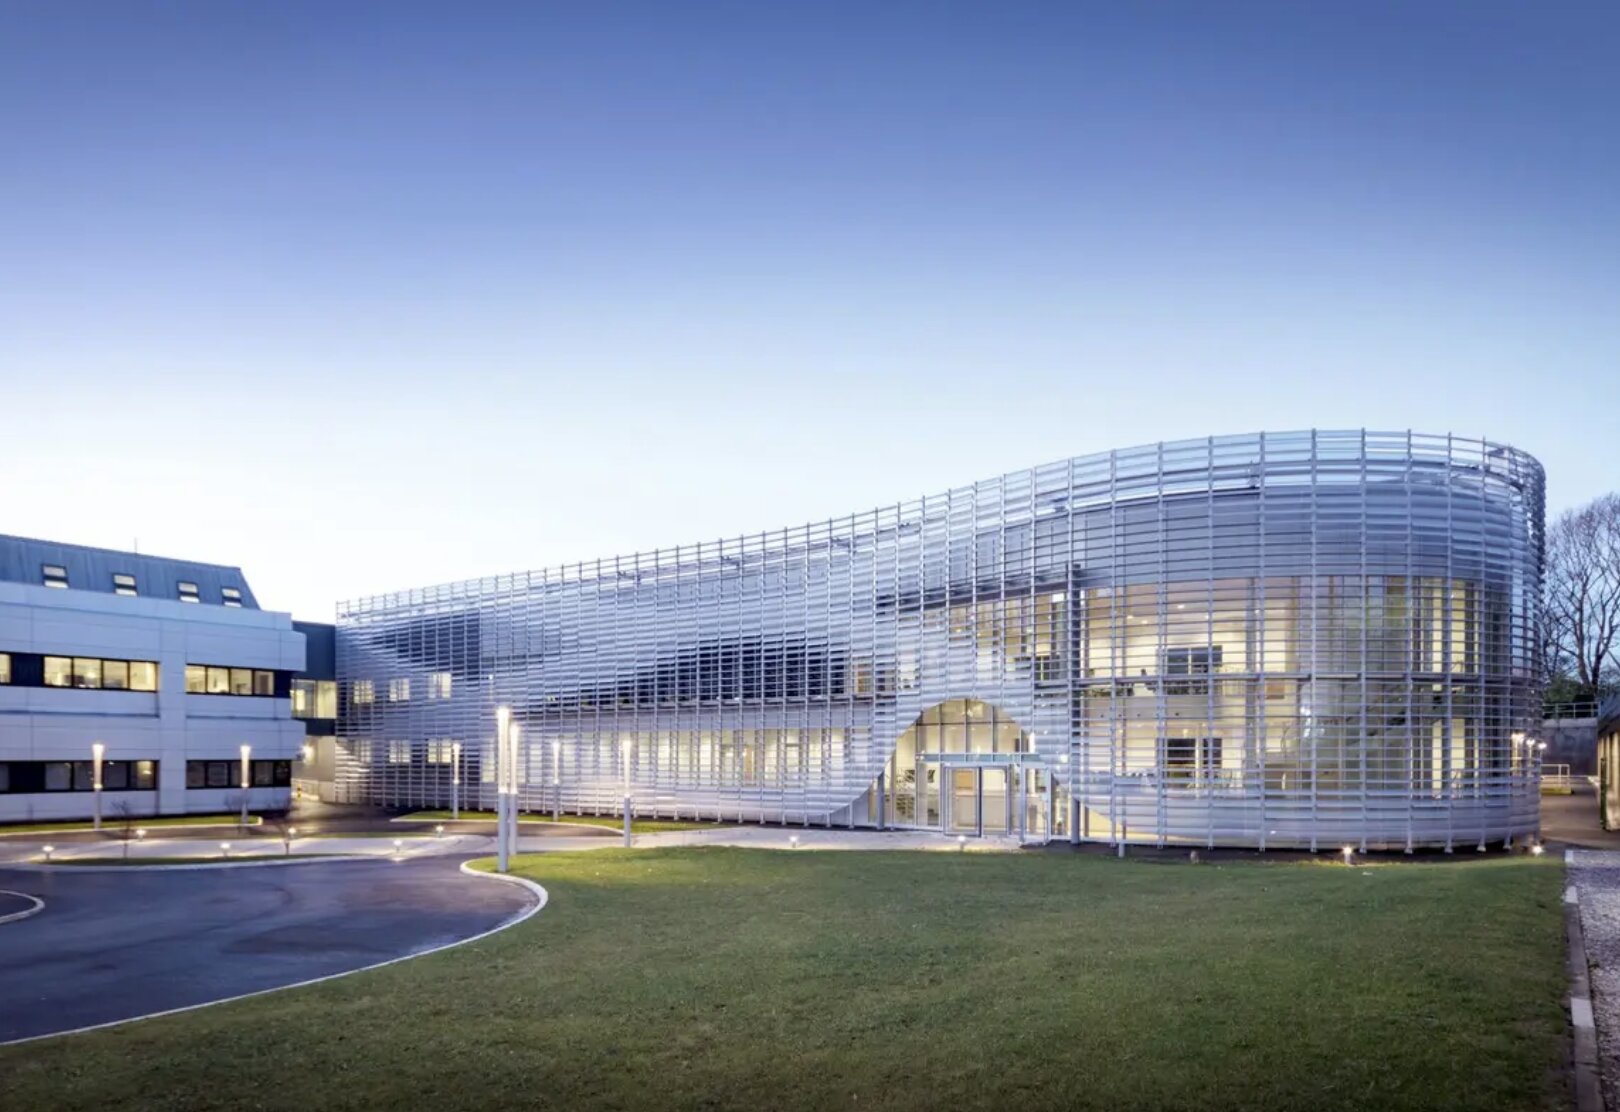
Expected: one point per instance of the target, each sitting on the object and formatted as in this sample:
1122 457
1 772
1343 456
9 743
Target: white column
96 751
503 775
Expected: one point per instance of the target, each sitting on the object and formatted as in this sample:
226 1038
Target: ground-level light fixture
1349 852
48 851
399 844
224 849
961 842
438 831
793 840
140 833
1538 849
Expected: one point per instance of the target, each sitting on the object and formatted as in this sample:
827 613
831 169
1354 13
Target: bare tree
124 816
1583 589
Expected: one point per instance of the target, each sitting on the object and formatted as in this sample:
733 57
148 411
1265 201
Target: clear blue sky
363 296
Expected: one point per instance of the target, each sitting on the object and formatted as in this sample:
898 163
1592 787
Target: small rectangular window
58 776
231 596
86 672
145 776
221 773
188 592
124 584
143 675
399 752
115 775
219 680
196 774
196 679
5 667
438 685
264 683
399 691
115 675
362 692
241 681
53 575
326 698
58 671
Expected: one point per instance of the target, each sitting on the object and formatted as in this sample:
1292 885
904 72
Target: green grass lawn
637 826
723 978
112 826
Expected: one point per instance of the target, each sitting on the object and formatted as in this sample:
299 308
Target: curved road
124 943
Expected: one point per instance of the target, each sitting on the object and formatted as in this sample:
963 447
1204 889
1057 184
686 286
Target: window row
123 583
34 777
94 672
364 692
228 774
217 679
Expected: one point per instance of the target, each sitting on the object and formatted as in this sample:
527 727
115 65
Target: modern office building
1296 639
168 666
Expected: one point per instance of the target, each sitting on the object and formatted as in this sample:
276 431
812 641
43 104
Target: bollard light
793 841
438 831
1537 850
48 851
140 833
398 845
1348 852
961 843
224 849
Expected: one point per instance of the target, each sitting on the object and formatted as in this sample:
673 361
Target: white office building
165 668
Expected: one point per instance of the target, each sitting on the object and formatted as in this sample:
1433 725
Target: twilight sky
366 296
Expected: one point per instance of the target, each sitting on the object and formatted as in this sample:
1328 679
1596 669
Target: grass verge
723 978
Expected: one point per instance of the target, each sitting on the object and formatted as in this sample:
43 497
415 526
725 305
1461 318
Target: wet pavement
116 944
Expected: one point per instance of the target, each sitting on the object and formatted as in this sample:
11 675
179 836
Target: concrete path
23 852
1594 875
112 945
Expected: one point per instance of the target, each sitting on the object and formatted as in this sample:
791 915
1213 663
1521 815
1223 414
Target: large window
36 777
218 679
95 673
314 698
399 691
438 685
220 775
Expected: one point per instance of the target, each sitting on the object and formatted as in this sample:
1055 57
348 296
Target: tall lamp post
455 780
628 803
556 780
96 751
247 782
514 743
503 773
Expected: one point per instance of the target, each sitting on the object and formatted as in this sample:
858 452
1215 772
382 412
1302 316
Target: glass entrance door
995 801
964 809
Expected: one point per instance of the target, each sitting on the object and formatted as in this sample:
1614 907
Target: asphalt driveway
118 944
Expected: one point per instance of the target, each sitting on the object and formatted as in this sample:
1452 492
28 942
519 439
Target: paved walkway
112 945
1595 875
30 852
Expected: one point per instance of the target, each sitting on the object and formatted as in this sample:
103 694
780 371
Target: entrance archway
965 767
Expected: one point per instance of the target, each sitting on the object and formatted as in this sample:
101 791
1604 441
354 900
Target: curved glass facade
1281 639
